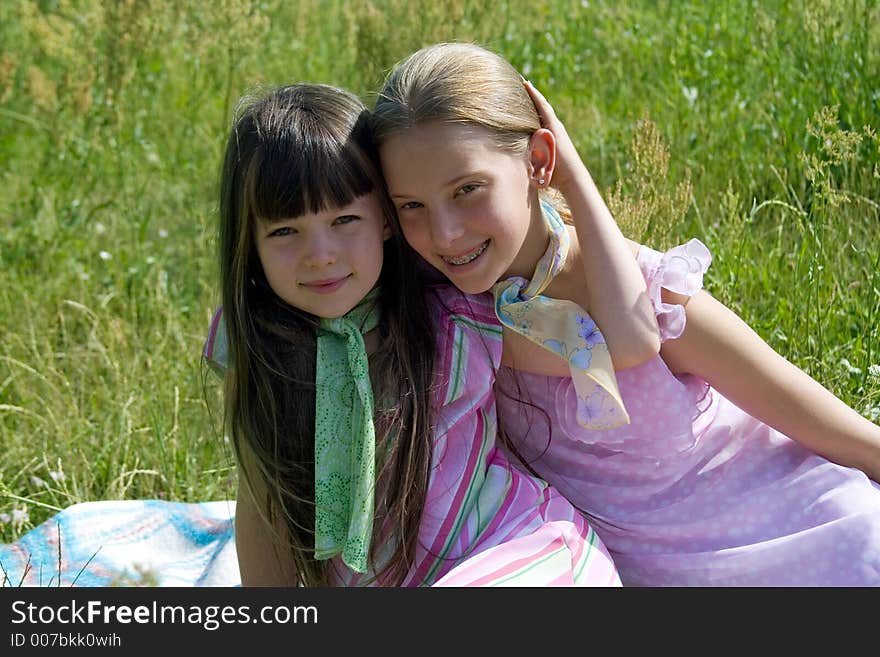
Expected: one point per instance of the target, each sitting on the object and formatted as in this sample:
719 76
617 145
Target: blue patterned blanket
127 543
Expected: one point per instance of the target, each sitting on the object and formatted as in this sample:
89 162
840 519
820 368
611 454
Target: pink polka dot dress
694 491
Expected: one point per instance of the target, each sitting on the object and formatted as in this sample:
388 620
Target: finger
537 97
545 109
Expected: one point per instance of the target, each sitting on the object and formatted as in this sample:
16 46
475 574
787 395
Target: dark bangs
307 170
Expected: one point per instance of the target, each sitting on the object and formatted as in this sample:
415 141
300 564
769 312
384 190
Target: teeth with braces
468 258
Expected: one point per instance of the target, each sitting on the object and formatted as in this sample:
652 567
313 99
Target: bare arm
723 350
616 294
257 543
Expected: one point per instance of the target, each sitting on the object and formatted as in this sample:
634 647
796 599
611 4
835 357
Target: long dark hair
292 150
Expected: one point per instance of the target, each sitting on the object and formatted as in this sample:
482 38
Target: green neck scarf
345 441
564 328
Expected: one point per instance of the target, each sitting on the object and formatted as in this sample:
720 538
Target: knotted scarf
563 327
345 441
344 430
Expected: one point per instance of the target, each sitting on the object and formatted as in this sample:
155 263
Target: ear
542 157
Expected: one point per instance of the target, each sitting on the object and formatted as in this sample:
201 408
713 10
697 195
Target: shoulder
215 350
468 336
681 266
449 304
672 277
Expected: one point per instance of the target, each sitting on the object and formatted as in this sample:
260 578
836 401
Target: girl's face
465 205
325 263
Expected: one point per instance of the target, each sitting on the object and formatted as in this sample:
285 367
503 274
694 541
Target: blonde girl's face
325 263
464 204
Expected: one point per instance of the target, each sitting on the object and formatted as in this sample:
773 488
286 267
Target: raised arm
722 349
616 292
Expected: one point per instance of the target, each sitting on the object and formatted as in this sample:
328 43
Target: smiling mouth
325 285
468 257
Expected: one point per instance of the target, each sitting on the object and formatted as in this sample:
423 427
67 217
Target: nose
321 251
446 228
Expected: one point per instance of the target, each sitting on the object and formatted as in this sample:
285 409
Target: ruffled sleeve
679 270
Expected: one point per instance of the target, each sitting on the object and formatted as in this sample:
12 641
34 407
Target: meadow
751 125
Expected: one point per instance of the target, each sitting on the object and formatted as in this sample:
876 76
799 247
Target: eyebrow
276 221
451 183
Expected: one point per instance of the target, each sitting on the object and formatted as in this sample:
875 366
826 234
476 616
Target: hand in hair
568 166
614 286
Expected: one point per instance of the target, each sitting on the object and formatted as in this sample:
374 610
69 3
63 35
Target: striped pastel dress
485 522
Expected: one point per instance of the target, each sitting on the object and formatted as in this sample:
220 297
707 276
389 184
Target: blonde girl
699 465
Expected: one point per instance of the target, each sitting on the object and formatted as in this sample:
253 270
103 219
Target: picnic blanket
127 543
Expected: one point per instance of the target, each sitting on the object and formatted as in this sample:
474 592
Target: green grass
748 125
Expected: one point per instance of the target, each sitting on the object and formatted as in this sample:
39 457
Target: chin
473 287
333 312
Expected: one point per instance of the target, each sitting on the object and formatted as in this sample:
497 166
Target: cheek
278 263
505 218
263 257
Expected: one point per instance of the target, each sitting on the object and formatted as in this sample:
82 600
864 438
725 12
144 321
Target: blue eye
412 205
345 219
282 232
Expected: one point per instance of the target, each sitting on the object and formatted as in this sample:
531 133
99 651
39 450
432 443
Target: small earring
540 181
